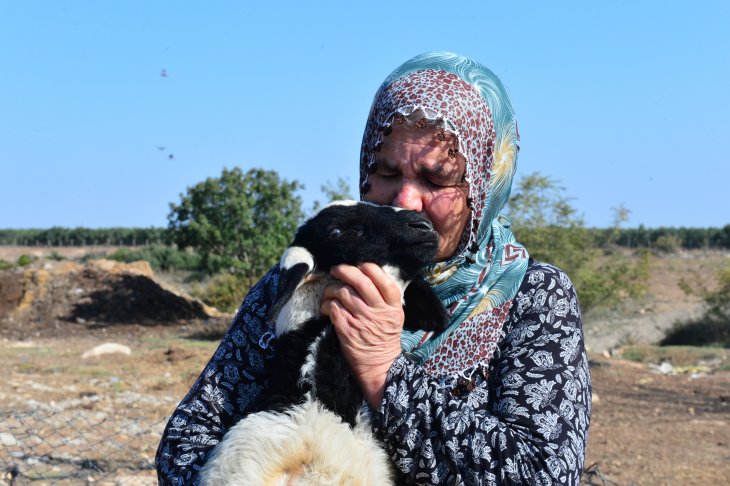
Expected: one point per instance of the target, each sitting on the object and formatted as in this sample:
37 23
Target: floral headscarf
477 284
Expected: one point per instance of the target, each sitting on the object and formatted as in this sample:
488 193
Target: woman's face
414 170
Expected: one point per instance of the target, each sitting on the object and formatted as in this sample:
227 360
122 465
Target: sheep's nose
420 225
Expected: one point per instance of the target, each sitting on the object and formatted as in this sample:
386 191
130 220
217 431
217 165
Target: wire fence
92 448
62 447
592 476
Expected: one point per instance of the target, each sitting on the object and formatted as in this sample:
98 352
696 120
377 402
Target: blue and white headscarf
477 284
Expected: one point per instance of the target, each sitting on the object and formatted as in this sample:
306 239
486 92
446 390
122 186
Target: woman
502 396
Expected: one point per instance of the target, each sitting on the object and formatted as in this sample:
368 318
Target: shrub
719 300
668 244
24 260
5 265
605 281
714 327
160 257
224 291
55 256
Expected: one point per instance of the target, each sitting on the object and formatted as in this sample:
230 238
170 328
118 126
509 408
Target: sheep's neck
303 305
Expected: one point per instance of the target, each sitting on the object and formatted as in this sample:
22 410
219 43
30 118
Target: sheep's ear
295 265
423 309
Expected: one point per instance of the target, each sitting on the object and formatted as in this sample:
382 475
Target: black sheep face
350 232
355 232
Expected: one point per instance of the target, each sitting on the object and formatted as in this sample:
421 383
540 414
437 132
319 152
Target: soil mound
64 298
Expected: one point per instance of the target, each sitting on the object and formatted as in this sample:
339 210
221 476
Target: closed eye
442 183
387 174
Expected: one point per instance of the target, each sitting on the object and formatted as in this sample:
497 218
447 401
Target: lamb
309 426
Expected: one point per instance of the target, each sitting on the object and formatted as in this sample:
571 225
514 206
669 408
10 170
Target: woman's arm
527 423
221 395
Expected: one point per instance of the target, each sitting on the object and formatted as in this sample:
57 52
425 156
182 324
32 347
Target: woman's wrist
372 381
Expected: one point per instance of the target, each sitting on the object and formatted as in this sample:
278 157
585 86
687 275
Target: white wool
349 202
307 446
303 305
305 373
346 202
294 255
394 272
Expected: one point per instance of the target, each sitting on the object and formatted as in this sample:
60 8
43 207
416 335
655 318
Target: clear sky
623 102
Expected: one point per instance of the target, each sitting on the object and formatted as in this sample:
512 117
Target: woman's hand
366 310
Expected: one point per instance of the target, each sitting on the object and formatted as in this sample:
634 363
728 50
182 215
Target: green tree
718 301
540 202
239 221
334 192
549 226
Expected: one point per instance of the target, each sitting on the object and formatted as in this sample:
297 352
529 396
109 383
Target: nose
410 196
420 225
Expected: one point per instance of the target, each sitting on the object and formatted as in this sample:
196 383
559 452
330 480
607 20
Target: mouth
427 241
422 250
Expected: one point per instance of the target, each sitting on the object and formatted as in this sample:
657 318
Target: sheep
309 426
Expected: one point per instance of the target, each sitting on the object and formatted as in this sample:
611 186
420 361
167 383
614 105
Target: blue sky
622 102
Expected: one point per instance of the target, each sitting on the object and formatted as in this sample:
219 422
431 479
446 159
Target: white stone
8 439
666 368
106 348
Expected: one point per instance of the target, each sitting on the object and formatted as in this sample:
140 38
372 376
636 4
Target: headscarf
478 283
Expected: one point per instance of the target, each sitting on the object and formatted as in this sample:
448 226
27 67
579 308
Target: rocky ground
94 420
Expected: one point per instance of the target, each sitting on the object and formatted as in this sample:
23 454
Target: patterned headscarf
477 284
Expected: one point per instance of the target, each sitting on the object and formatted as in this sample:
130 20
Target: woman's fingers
370 282
343 295
359 282
337 313
387 287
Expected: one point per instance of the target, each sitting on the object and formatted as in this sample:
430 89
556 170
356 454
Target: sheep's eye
335 233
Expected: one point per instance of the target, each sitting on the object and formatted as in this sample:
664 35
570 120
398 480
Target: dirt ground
654 429
70 420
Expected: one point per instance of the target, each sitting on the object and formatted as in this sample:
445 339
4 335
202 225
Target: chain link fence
55 446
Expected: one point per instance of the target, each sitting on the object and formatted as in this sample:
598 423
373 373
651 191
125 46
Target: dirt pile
62 298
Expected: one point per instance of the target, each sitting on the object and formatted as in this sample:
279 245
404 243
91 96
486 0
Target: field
97 420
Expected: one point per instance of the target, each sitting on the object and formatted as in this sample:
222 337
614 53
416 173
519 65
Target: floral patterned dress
524 420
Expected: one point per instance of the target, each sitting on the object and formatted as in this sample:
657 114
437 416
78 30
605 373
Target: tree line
80 236
661 238
667 238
